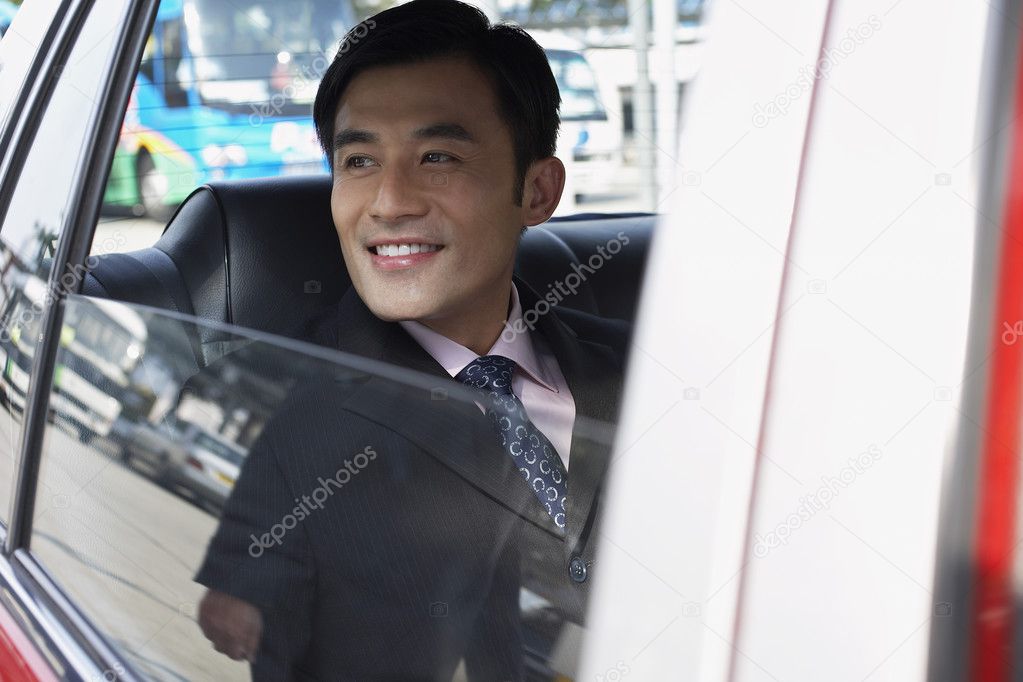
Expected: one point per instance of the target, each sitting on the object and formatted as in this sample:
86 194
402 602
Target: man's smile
396 253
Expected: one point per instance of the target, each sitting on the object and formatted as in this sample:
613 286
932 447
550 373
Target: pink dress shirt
538 381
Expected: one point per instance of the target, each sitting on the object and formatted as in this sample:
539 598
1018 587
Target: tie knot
491 373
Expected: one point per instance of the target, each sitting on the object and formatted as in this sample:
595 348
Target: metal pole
642 105
665 23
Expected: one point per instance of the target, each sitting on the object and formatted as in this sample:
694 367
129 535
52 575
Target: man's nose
397 195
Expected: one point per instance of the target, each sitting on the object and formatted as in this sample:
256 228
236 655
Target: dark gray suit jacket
417 560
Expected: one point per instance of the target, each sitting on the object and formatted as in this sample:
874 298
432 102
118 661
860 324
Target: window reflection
360 504
31 226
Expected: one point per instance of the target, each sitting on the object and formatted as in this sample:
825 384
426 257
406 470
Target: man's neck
479 328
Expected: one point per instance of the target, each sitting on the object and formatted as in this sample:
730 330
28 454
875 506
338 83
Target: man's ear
545 181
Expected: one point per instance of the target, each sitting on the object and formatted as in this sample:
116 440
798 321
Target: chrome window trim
66 627
33 611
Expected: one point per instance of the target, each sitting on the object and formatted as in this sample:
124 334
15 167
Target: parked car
183 457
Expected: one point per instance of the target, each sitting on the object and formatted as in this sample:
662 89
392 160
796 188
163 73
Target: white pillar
665 23
642 106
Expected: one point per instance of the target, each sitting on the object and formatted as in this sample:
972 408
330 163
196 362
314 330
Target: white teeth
404 249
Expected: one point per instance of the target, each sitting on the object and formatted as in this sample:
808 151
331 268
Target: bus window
580 100
172 64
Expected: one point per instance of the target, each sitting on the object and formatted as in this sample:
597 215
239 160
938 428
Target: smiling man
441 132
438 164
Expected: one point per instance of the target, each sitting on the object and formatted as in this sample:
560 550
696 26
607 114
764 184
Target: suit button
577 569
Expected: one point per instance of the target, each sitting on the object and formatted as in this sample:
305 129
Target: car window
293 476
18 48
30 229
225 92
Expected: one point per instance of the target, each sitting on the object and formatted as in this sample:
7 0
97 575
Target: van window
580 99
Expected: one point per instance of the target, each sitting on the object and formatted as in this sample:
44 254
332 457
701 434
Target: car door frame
66 641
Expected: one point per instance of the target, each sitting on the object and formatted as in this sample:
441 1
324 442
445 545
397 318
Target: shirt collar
517 346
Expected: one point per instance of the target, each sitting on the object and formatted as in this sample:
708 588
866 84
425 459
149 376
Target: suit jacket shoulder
613 333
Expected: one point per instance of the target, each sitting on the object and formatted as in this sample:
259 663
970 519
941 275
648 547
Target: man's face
424 172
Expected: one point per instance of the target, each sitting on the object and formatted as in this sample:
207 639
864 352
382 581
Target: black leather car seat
263 254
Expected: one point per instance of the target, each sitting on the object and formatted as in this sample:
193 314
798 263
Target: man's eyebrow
450 131
354 136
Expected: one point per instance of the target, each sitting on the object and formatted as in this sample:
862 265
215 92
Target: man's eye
358 162
437 157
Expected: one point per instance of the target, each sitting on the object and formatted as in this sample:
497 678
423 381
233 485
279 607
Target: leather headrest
274 237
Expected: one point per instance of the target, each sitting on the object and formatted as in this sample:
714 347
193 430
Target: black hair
422 30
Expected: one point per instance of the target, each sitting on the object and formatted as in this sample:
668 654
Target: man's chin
392 303
397 311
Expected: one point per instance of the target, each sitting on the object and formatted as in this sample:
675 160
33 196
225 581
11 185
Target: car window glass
18 48
33 223
227 91
146 67
355 504
175 68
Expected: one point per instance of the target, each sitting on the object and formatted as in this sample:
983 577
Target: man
441 132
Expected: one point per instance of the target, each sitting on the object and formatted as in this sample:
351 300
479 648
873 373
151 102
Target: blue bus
224 90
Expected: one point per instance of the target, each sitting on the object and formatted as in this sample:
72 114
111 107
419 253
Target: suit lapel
595 383
442 419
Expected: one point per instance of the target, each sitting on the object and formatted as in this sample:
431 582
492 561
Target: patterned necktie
533 454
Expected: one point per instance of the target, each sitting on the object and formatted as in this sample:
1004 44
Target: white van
590 141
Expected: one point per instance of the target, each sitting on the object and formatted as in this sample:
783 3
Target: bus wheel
152 187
